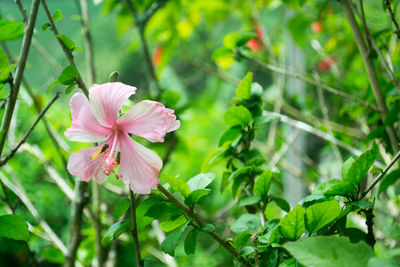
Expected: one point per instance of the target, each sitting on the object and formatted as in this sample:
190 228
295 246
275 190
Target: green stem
372 76
26 43
134 233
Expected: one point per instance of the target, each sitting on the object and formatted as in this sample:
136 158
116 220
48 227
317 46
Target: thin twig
385 62
134 233
141 24
67 52
26 43
277 105
36 105
254 240
15 149
81 188
84 10
171 198
325 115
308 128
372 76
22 10
279 154
381 175
310 81
393 17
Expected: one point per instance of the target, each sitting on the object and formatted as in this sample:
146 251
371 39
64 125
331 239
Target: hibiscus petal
84 126
139 166
82 165
107 99
149 119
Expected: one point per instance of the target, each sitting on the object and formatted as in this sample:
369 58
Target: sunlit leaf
330 251
10 30
292 225
237 115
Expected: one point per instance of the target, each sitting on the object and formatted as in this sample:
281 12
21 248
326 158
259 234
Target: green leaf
242 239
283 204
335 187
355 234
223 57
171 241
5 67
68 76
346 166
195 196
245 37
208 228
359 168
230 135
56 82
178 184
10 30
262 184
163 211
230 40
330 251
69 44
70 88
321 214
272 233
389 180
168 226
246 222
14 227
114 232
243 90
212 160
237 115
57 15
113 77
292 225
45 26
201 181
142 209
53 255
170 98
190 242
121 207
362 204
374 262
249 201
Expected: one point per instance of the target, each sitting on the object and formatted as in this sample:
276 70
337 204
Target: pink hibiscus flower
96 120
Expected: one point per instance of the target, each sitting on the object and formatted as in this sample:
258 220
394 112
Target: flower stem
171 198
139 261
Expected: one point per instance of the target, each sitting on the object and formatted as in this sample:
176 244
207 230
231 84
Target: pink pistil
110 162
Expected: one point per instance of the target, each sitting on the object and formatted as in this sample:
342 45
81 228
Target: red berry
326 63
317 26
254 44
157 55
